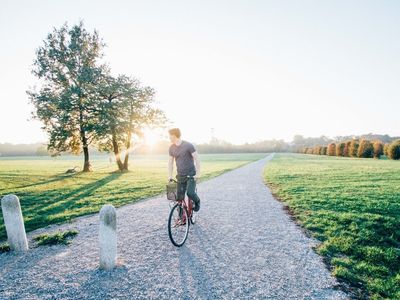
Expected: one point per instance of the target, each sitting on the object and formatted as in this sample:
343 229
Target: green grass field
49 196
353 207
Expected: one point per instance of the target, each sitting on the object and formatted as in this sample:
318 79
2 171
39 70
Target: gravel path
244 246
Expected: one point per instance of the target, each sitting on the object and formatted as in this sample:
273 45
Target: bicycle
181 215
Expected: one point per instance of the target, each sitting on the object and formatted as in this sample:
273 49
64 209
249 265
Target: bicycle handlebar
173 180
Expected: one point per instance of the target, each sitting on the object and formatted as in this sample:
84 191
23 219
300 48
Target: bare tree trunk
128 145
86 164
126 160
116 152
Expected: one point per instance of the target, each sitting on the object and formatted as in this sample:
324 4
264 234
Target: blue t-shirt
183 157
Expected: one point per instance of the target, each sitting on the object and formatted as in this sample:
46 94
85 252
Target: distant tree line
296 145
261 146
81 104
34 149
361 148
220 146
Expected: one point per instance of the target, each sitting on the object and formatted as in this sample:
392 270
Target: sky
251 70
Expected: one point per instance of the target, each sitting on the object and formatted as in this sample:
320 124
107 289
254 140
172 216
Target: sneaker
196 206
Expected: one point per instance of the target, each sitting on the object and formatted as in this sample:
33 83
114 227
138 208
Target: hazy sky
252 70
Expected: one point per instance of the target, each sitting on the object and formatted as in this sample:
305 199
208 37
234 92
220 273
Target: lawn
49 196
353 207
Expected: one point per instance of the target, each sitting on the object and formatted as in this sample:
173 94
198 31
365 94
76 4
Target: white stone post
14 222
108 237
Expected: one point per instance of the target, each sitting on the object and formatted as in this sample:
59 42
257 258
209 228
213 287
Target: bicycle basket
172 191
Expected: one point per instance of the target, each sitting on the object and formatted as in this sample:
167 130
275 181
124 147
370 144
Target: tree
125 108
394 150
139 112
310 150
386 149
331 150
112 92
365 149
353 150
317 150
300 142
340 149
378 149
67 65
42 151
346 149
298 139
323 150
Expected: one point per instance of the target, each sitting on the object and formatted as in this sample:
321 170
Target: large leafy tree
125 108
69 69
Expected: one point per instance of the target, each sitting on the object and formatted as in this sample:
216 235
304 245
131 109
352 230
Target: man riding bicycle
187 165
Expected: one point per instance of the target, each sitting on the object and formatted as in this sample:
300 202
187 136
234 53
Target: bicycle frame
186 201
185 216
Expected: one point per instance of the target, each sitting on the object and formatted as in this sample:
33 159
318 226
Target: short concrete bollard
108 237
14 222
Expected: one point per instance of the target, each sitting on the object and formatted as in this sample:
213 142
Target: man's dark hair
175 131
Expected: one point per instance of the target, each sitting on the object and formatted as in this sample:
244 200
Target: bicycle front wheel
178 225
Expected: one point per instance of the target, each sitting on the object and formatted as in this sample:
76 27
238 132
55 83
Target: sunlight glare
151 136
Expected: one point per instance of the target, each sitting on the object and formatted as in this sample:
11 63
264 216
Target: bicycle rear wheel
178 225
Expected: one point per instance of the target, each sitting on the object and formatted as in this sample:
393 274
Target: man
187 164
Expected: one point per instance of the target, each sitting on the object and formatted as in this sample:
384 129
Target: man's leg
182 185
181 190
191 192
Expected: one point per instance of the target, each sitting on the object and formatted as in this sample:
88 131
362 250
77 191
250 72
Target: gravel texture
243 246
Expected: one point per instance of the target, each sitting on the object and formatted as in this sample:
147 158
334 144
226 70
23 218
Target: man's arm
197 164
170 167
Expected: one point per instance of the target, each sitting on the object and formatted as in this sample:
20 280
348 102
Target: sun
151 137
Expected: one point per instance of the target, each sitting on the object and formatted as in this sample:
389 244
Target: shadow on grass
65 201
39 208
56 178
40 181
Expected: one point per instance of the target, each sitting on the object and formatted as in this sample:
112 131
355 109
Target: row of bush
357 148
